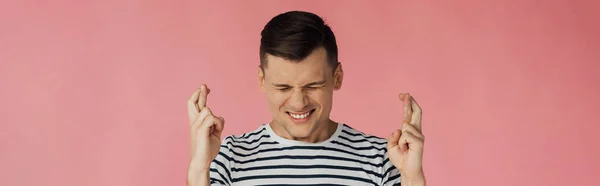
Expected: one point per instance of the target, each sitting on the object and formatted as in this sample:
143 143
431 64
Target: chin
299 130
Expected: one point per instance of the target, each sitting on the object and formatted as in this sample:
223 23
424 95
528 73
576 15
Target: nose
298 100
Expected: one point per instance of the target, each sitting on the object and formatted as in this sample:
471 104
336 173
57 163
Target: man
301 145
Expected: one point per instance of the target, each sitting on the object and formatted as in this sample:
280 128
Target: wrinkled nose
298 101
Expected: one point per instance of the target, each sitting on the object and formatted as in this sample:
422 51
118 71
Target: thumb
392 141
404 141
219 126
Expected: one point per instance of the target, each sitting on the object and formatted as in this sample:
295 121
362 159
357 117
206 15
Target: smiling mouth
301 115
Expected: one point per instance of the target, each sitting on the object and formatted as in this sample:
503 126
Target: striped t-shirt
260 157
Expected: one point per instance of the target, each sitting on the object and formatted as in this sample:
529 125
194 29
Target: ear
261 79
338 77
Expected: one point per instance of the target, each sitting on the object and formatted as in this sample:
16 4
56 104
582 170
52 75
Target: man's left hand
405 147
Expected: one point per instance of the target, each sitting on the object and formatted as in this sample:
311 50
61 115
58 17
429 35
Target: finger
392 141
191 105
202 98
206 126
417 114
404 109
412 142
407 103
405 97
205 112
407 127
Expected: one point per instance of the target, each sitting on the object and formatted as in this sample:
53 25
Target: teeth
300 116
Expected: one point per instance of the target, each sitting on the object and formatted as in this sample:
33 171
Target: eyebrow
314 83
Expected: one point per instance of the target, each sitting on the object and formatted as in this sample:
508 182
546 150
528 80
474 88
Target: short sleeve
391 175
220 169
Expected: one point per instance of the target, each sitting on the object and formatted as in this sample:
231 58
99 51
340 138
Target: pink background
94 92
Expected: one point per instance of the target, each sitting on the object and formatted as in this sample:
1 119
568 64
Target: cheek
276 99
321 97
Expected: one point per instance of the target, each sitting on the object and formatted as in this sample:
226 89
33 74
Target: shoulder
353 135
248 138
388 173
369 146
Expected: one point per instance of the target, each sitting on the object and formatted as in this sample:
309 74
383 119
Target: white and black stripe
260 157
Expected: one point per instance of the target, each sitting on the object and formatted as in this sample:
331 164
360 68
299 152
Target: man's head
299 71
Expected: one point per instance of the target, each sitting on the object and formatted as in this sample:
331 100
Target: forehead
314 67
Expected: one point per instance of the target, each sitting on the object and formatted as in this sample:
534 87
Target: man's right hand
205 134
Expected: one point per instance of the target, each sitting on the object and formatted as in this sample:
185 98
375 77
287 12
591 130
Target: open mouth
302 115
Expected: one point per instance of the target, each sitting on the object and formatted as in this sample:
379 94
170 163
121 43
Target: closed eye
284 89
311 86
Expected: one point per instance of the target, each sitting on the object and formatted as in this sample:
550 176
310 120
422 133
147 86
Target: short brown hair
294 35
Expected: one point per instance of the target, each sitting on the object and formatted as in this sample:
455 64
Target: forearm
413 181
198 178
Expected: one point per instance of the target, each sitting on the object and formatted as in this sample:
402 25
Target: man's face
300 94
